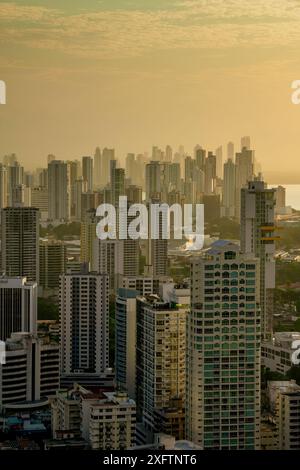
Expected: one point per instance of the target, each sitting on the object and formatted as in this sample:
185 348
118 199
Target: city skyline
125 74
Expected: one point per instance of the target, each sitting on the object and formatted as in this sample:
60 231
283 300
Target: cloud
193 24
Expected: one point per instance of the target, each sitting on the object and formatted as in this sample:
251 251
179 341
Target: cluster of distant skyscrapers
187 354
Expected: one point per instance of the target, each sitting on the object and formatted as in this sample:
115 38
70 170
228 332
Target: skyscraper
200 158
244 167
3 186
153 180
58 191
219 162
160 356
88 235
15 178
31 371
125 342
210 173
18 306
223 350
107 156
245 142
257 238
97 168
117 184
228 199
230 150
87 172
53 259
20 242
84 316
156 248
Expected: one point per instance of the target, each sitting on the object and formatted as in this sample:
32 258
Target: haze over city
129 74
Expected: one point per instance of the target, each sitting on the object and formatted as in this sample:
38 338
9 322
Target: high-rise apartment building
230 150
285 404
58 191
107 156
84 316
87 172
20 242
39 199
244 172
210 173
223 350
18 306
97 168
3 186
88 235
108 420
31 371
153 180
125 340
257 238
219 162
245 142
160 356
117 184
53 257
228 199
107 259
15 178
80 188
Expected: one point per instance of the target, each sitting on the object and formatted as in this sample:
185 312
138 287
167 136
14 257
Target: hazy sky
132 73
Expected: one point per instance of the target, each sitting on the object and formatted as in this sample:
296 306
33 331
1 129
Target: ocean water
292 194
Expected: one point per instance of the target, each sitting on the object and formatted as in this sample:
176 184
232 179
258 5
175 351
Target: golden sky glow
129 74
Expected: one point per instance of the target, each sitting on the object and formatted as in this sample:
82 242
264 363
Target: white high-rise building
223 350
257 238
20 242
125 341
58 191
18 306
31 371
84 316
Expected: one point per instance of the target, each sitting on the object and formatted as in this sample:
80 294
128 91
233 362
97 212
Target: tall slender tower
228 199
3 186
87 172
257 238
58 191
244 167
97 168
18 306
223 350
84 314
20 242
